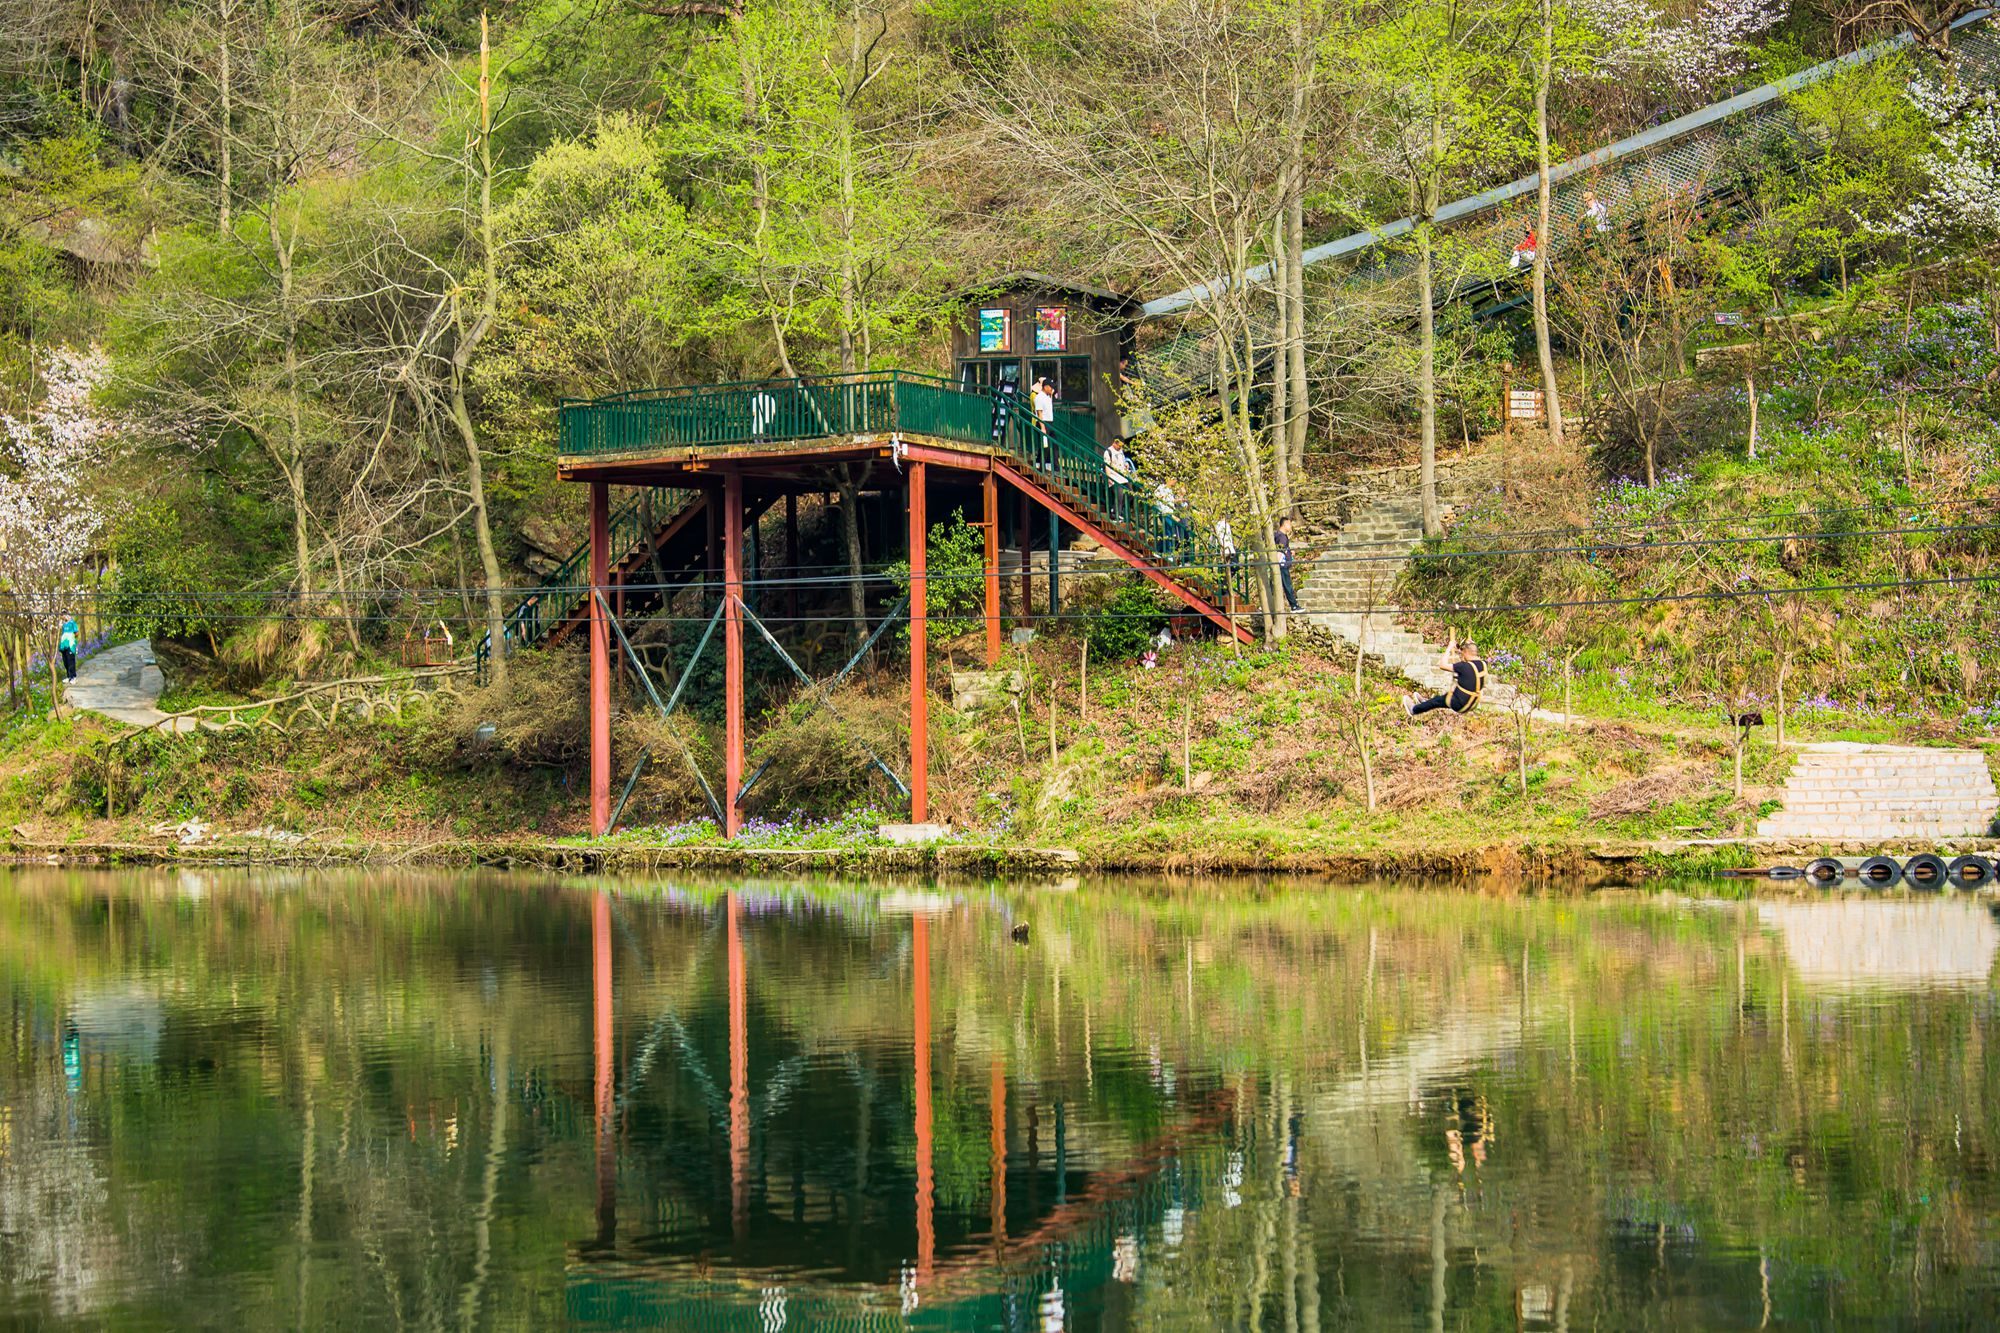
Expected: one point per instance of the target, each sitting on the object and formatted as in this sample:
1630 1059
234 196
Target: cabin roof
1098 298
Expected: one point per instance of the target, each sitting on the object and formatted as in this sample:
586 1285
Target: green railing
542 608
1065 452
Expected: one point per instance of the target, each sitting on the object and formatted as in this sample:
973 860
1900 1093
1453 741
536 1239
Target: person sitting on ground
1468 680
1524 249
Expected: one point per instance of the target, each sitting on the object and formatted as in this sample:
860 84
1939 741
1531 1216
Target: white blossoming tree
1962 200
50 518
1691 56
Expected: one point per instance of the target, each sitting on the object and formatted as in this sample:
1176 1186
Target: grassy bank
1216 760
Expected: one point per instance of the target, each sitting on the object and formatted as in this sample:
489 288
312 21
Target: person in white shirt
1118 472
1225 537
763 410
1043 397
1596 214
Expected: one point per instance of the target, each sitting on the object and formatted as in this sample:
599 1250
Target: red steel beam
600 662
920 722
1076 518
990 492
732 651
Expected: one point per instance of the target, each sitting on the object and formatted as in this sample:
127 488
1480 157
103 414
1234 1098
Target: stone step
1844 830
1979 807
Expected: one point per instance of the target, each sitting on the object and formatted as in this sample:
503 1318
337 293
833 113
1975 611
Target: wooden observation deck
707 457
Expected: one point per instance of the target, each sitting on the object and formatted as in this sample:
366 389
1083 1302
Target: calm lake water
371 1100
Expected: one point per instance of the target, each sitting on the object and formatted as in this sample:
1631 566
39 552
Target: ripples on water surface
373 1100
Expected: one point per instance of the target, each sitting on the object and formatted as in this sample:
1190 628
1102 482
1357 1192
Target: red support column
920 963
920 722
1024 516
600 661
606 1088
732 650
739 1076
990 489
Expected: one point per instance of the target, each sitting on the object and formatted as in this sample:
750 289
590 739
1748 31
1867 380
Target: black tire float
1969 872
1784 872
1880 872
1826 872
1925 871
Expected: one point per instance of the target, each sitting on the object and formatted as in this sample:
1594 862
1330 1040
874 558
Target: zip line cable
763 582
1042 617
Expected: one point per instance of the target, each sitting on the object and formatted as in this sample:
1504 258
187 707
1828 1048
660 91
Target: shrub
1128 622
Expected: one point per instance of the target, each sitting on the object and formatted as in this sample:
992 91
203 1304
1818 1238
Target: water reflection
381 1100
1859 942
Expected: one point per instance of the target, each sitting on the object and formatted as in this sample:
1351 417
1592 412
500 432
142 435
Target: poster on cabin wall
1051 329
993 331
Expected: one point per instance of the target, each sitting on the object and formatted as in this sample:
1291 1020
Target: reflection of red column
920 938
998 1099
607 1157
739 1078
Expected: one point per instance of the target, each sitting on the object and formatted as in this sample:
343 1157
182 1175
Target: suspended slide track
1698 158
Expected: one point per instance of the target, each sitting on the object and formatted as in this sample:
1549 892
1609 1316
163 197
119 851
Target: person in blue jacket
67 646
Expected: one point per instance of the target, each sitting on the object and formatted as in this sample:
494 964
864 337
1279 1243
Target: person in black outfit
1283 541
1468 676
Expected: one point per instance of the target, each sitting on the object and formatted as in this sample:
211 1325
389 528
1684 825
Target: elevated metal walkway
686 427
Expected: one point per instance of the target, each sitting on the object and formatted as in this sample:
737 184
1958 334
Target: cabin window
990 374
1069 374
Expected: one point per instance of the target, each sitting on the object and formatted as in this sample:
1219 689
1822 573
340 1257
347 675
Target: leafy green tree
173 582
1444 77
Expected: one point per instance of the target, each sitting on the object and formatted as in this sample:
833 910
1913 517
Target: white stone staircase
1846 792
1349 582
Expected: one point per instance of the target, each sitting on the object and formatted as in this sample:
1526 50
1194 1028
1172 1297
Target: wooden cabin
1019 328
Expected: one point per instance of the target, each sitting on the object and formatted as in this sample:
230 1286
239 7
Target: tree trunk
1427 379
461 362
1295 321
1281 376
482 535
224 14
760 192
1750 395
850 529
1544 69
